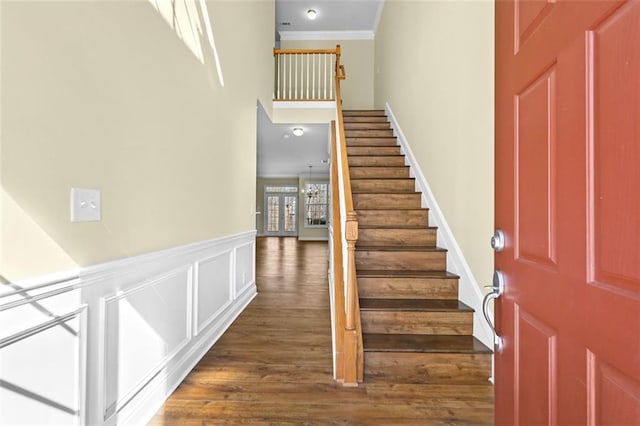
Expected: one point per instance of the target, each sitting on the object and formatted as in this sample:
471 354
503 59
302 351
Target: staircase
414 328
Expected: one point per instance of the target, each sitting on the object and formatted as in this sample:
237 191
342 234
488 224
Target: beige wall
434 66
357 58
105 95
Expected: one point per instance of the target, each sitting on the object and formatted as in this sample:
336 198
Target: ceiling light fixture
298 131
312 14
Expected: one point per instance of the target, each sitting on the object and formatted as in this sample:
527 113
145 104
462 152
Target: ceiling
280 153
333 15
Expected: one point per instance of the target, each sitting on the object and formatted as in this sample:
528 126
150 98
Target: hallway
273 365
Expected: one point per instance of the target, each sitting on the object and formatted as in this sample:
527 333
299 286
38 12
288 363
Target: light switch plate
85 205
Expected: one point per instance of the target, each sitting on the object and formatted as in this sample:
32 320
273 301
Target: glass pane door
273 214
281 212
290 217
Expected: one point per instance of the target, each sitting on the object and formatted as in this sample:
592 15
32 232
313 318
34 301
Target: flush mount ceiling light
298 131
312 14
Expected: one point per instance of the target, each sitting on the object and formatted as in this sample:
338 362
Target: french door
281 208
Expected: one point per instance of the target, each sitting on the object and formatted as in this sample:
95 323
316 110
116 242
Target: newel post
350 335
352 237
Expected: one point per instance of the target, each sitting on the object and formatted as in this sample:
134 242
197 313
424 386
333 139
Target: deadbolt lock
497 241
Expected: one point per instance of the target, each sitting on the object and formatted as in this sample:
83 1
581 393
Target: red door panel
535 181
568 199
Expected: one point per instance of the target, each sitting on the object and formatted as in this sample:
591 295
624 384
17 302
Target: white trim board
326 35
469 290
304 104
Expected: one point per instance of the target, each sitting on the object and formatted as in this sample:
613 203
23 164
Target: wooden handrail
338 277
302 51
352 351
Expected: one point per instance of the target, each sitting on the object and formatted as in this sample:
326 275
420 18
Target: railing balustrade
305 75
344 226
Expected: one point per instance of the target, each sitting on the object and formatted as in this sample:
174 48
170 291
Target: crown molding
326 35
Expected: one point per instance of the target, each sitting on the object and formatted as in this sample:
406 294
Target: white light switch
85 205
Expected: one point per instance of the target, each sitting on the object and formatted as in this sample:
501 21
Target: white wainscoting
54 349
469 290
213 288
110 344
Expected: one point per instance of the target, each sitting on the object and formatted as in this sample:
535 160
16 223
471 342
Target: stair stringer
469 290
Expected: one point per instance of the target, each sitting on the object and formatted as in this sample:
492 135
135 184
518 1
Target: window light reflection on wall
187 21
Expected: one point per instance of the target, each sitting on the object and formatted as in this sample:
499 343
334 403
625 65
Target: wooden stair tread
421 209
396 227
376 138
382 191
360 112
385 178
405 274
425 343
372 141
430 305
365 119
385 192
366 125
388 210
375 155
400 248
404 166
381 168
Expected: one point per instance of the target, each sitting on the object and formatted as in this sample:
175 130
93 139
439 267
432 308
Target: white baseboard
469 290
146 322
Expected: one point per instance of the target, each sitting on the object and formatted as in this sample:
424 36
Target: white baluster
290 66
307 55
325 76
333 67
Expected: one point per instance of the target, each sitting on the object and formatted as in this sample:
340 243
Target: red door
568 200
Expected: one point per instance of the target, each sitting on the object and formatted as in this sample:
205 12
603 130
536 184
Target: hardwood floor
273 365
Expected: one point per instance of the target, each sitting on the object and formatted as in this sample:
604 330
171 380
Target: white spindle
332 67
319 83
307 55
296 77
325 75
313 74
290 67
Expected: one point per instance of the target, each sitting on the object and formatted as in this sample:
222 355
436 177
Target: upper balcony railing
305 75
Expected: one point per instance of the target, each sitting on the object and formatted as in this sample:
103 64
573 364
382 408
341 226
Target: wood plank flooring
273 365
